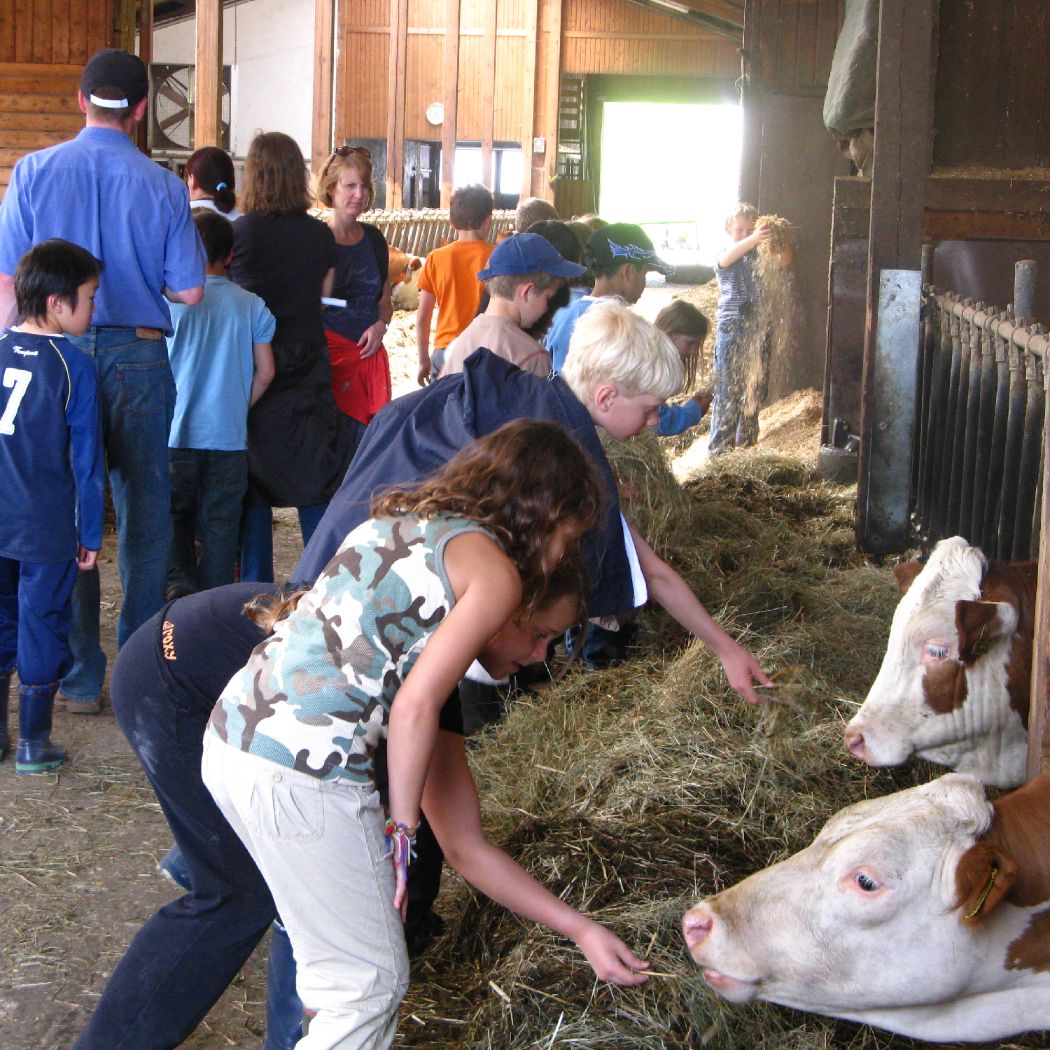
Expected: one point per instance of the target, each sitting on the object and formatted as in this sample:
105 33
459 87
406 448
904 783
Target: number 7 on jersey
17 380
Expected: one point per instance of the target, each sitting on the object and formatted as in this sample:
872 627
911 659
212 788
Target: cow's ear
906 574
984 875
979 623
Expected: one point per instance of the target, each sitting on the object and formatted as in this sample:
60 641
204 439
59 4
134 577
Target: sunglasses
349 151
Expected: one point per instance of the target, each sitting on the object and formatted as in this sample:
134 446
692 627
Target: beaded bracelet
401 839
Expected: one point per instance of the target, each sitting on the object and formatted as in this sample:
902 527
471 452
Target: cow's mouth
735 989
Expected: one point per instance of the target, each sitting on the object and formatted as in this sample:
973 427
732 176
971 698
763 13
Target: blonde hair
681 318
329 175
742 210
612 344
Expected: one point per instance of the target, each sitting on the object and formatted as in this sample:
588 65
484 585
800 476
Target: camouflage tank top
316 695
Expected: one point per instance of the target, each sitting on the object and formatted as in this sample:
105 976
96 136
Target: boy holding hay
618 374
740 367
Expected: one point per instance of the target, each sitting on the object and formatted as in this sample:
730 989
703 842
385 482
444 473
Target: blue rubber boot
35 753
5 736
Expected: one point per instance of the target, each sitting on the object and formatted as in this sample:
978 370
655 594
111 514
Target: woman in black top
299 444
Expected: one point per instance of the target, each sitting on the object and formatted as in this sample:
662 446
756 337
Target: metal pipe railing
979 440
419 231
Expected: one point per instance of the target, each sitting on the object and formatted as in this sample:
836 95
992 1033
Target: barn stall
633 790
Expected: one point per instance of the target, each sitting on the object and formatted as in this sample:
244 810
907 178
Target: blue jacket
415 434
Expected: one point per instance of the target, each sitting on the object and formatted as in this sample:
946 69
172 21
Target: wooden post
207 103
550 21
449 125
528 106
488 93
321 134
903 152
146 54
1039 712
395 129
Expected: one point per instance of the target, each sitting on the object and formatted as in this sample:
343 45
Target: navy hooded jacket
414 435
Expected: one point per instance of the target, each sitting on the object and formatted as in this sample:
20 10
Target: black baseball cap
622 242
113 68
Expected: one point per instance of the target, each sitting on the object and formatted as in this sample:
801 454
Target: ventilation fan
172 95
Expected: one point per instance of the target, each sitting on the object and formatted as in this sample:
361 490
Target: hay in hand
782 239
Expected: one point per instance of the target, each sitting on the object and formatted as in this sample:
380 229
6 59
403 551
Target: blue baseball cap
528 253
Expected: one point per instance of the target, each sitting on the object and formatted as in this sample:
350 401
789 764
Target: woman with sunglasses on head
299 443
355 329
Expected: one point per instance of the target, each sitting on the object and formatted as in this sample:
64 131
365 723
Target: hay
633 791
782 238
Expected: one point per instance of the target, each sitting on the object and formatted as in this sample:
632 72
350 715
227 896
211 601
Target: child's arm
263 372
371 340
424 312
86 457
738 249
673 593
328 283
450 801
488 591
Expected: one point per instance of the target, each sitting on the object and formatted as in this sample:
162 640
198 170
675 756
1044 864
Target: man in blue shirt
100 192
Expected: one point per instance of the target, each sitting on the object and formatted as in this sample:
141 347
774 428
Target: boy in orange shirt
449 278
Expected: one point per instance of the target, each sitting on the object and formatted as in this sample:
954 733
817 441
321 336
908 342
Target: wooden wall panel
471 88
53 32
992 95
424 84
509 105
362 44
795 40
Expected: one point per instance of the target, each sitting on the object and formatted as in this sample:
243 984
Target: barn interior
905 140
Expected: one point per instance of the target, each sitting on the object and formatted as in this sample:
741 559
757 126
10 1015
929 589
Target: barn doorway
673 168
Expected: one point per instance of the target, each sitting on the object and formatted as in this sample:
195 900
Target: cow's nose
854 741
697 923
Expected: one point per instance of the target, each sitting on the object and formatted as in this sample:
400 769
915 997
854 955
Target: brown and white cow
926 912
954 683
404 275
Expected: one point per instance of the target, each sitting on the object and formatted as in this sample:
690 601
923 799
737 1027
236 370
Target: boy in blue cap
522 276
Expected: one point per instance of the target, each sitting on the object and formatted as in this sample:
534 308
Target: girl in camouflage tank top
449 572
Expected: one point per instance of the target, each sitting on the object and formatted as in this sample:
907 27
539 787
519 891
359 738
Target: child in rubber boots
443 573
51 474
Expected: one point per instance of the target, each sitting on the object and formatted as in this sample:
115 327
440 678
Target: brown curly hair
521 482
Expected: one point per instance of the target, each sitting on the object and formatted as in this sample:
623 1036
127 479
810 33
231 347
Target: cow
926 912
404 273
955 681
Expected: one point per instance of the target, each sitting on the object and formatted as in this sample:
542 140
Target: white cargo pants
321 848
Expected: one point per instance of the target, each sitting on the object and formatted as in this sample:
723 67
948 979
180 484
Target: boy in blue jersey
222 361
51 474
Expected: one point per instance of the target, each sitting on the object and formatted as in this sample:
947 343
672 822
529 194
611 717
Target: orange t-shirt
450 274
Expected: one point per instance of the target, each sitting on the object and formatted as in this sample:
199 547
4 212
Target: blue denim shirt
100 192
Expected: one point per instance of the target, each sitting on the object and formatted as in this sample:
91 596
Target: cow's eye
936 651
866 882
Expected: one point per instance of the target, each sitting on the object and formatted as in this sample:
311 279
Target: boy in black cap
523 275
619 255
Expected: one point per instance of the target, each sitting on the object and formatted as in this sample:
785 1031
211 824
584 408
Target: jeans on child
137 399
184 957
257 538
35 618
727 403
207 496
320 846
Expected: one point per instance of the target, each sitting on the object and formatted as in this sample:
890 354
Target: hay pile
633 791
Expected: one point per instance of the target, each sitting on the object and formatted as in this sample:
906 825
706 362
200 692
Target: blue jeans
34 619
207 495
257 538
182 960
727 405
137 398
